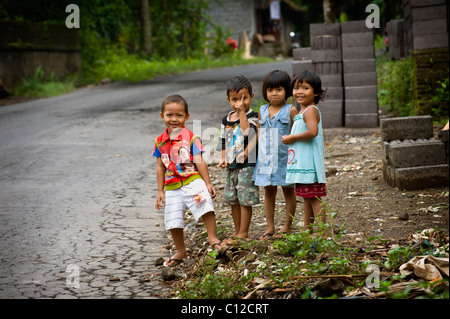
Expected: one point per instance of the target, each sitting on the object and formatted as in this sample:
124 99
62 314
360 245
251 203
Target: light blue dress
272 154
306 162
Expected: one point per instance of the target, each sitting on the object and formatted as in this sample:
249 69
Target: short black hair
175 98
313 79
276 79
238 83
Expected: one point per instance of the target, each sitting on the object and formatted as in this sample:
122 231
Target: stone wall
24 46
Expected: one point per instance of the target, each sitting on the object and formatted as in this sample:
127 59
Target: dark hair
238 83
175 98
276 79
313 79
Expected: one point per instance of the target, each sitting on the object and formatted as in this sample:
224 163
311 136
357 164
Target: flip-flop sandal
268 235
176 262
281 234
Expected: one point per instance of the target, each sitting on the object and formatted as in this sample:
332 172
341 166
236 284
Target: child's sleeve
196 146
156 152
222 134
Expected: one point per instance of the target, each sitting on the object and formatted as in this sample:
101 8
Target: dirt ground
366 205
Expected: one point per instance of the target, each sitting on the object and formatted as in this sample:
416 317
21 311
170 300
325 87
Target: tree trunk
146 27
328 14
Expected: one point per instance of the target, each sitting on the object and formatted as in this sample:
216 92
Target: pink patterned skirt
311 190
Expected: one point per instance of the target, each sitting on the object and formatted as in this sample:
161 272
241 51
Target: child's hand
240 105
222 164
241 158
211 190
160 201
288 139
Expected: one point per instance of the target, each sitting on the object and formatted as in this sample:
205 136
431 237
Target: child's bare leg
308 214
318 210
178 239
210 223
236 214
270 193
246 217
291 204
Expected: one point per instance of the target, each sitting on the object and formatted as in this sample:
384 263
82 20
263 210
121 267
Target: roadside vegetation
313 266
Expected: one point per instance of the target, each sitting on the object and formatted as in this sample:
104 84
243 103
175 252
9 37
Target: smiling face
303 93
174 116
242 95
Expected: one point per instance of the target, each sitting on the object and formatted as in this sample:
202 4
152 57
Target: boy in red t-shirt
182 177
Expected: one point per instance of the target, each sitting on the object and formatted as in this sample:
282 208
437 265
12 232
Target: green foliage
395 85
39 85
398 256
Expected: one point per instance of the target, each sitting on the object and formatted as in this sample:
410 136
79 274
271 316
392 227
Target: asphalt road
77 184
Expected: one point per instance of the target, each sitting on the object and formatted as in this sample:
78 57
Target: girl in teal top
275 120
305 162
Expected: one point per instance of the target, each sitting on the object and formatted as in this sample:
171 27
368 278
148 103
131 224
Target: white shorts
194 196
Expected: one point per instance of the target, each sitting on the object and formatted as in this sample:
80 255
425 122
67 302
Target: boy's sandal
266 236
175 261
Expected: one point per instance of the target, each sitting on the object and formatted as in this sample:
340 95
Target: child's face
276 96
303 93
174 116
236 97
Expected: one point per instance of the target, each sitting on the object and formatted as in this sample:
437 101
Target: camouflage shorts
240 188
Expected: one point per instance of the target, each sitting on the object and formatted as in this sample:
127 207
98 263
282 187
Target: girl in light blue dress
305 162
275 120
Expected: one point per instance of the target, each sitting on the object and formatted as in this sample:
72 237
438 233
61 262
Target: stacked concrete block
412 157
426 24
301 60
359 75
396 36
326 57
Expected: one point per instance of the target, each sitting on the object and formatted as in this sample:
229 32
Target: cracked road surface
77 185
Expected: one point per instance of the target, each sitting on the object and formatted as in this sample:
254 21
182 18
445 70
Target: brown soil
365 203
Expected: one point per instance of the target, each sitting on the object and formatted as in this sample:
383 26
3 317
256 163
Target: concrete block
300 66
412 127
355 27
412 153
332 113
429 12
359 66
331 80
361 120
368 92
360 39
421 177
301 54
430 41
360 79
328 67
424 3
334 55
361 106
356 53
325 42
334 93
316 29
434 26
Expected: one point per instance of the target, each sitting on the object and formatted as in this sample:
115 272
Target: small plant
398 256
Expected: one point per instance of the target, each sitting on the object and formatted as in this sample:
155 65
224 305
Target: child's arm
311 117
243 121
294 112
223 162
160 171
203 170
